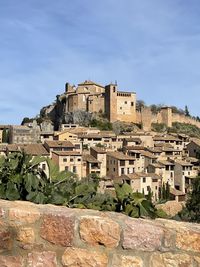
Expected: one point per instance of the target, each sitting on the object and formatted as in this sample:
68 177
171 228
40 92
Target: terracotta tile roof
90 159
89 82
184 163
13 147
120 155
157 165
166 162
166 138
59 144
196 141
148 154
176 192
35 149
99 150
154 149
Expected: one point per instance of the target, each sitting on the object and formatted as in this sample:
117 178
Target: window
71 160
144 179
114 169
122 162
132 104
131 162
64 160
125 102
66 168
114 89
122 170
78 159
74 169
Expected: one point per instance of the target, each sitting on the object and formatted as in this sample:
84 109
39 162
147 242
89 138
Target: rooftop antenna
115 82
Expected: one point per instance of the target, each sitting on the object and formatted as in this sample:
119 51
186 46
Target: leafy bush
159 127
21 178
185 128
192 209
101 125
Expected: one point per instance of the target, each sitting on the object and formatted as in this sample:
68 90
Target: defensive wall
48 236
166 116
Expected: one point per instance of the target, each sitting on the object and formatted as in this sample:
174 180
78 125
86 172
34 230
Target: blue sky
151 47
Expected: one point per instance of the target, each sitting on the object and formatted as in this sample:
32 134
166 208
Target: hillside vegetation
185 128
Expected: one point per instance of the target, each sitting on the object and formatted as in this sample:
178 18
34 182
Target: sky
151 47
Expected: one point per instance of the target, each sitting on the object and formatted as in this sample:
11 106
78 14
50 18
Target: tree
167 192
5 136
26 120
187 113
140 104
163 192
193 202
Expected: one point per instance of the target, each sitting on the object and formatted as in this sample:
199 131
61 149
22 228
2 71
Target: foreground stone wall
45 235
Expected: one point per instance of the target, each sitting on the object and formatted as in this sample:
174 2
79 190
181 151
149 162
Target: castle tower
111 102
166 115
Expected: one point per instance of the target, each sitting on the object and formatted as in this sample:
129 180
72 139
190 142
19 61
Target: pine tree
187 113
193 202
5 136
167 191
163 191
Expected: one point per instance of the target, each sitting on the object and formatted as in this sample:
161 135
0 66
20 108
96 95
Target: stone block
42 259
6 240
23 215
188 240
142 235
100 231
170 260
126 261
26 235
11 261
58 229
77 257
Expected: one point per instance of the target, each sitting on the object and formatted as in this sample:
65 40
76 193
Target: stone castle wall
184 119
46 235
146 118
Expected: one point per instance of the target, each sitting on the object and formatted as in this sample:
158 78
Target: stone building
92 97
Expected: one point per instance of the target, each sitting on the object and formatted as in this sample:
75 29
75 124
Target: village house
100 154
184 174
169 139
144 183
55 146
194 148
118 164
68 161
91 165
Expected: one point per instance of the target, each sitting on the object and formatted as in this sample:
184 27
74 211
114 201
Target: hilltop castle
114 104
92 97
